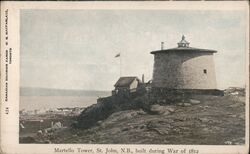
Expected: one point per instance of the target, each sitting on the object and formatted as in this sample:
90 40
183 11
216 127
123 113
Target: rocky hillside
107 106
200 119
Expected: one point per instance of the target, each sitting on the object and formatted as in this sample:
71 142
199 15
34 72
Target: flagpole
119 56
120 65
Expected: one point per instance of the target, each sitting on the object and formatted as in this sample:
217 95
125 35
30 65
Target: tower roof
183 42
183 45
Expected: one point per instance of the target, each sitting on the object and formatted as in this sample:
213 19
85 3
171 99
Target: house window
205 71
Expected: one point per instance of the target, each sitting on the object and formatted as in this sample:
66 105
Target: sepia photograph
110 76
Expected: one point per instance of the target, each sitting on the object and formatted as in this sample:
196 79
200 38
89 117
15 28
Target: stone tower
184 67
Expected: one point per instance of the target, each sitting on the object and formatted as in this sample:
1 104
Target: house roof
125 81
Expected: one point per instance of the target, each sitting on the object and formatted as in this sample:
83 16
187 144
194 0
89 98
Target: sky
75 49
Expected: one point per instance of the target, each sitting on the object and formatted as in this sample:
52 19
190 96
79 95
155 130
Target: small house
126 85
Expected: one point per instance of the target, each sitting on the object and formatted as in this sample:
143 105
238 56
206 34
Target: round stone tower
184 67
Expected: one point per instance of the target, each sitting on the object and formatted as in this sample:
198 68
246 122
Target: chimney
162 45
142 78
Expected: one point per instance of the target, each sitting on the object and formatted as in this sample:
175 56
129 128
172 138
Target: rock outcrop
107 106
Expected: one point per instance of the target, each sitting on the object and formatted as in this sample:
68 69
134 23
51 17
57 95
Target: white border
9 123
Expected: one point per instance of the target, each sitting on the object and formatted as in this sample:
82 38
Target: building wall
134 84
184 70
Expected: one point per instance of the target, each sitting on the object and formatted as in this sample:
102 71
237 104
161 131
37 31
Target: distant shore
52 102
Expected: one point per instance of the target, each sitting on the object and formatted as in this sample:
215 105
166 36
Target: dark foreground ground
206 120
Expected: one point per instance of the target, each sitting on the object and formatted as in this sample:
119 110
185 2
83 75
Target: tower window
205 71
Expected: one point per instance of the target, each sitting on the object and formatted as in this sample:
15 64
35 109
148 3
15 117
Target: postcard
125 77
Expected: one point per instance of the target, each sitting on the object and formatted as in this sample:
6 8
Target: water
51 102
